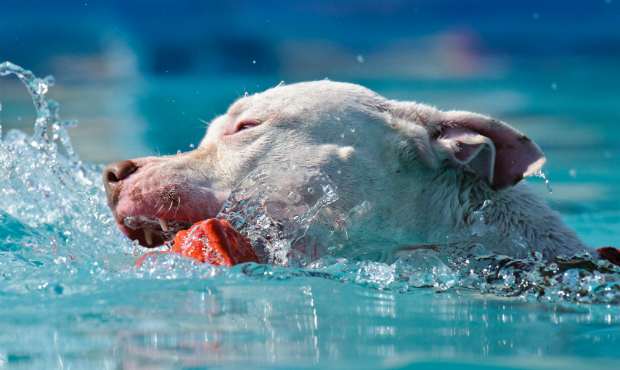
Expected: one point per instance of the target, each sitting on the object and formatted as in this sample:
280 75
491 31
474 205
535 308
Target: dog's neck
513 221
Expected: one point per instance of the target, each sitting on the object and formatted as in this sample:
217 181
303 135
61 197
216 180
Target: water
70 296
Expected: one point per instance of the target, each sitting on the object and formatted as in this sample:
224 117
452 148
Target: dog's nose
113 174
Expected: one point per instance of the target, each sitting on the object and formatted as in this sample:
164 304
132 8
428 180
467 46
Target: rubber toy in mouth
211 241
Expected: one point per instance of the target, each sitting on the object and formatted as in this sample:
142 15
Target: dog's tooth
163 224
148 235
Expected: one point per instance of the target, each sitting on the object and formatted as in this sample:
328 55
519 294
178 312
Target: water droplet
293 196
360 59
554 86
310 190
478 226
179 151
191 145
39 86
542 175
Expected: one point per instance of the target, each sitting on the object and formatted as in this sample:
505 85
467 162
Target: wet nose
113 174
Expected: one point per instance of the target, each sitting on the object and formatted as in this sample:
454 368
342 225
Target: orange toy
214 242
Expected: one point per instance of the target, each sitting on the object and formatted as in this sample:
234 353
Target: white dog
426 173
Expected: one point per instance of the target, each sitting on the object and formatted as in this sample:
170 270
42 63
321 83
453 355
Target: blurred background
141 76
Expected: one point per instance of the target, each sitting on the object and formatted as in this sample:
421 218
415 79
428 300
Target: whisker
178 206
169 208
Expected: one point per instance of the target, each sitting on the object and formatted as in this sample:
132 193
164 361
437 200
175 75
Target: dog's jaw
152 223
155 202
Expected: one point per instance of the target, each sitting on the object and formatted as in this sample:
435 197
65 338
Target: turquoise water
71 298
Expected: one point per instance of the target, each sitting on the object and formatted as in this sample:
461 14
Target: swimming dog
427 174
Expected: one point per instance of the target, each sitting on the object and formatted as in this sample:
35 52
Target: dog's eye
246 124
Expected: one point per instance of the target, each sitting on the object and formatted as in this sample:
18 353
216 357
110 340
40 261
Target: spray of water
54 217
283 210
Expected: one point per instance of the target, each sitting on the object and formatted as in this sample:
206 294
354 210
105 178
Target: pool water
70 296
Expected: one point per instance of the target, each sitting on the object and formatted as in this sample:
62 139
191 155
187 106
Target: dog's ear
493 150
468 148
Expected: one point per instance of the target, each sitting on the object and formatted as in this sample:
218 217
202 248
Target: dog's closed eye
245 125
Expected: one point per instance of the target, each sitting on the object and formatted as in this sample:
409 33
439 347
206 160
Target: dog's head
360 139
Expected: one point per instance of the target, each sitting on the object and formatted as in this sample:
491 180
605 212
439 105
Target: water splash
283 210
578 279
54 210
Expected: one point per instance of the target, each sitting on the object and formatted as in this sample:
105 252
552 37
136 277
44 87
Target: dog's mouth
152 232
